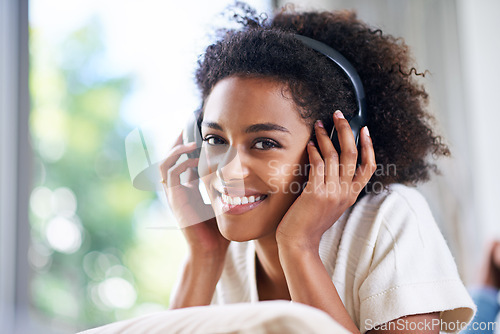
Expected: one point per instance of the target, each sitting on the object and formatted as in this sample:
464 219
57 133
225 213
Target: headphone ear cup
197 139
192 133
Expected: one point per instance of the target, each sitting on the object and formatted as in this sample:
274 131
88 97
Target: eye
266 144
213 140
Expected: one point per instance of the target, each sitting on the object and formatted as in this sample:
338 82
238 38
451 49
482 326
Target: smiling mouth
235 200
239 204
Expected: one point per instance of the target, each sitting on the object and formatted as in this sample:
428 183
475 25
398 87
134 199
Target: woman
296 218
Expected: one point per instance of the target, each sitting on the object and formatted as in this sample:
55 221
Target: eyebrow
252 128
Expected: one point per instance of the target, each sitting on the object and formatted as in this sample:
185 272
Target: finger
192 175
329 153
368 164
317 169
173 173
179 140
349 152
174 155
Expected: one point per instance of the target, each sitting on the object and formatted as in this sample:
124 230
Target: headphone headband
358 120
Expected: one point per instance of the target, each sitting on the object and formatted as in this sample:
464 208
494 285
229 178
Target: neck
271 281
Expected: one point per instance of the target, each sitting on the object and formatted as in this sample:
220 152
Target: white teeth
240 200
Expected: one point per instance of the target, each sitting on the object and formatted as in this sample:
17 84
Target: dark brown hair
399 123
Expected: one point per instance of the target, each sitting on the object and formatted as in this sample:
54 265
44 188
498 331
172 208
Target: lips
236 200
239 204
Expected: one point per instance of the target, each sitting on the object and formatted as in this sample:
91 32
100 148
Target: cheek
212 157
288 178
292 181
205 172
207 163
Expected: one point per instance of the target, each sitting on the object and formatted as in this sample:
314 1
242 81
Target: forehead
250 101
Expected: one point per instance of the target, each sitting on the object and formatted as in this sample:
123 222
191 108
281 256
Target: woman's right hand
195 218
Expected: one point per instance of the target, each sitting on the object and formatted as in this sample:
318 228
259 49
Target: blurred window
100 250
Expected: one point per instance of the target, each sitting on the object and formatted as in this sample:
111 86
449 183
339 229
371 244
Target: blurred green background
101 250
96 253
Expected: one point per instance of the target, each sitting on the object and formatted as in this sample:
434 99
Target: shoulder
385 213
405 260
393 199
383 217
395 231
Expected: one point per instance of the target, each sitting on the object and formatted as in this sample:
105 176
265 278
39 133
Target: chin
240 233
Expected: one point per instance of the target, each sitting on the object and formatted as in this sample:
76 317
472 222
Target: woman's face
254 152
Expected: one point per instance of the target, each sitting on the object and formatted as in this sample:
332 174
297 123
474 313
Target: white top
386 257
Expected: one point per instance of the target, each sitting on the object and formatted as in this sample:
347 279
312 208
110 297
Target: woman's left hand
334 184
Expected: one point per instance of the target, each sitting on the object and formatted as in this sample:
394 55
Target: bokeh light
40 202
117 292
63 202
64 234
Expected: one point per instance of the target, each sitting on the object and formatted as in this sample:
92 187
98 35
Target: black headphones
358 120
192 131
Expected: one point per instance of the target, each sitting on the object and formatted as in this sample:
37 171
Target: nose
232 168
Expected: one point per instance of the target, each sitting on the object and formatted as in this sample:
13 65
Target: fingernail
367 131
338 114
310 142
320 123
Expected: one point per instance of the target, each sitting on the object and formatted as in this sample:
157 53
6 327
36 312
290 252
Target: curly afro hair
399 123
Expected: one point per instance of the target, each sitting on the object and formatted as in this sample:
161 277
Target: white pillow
276 316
